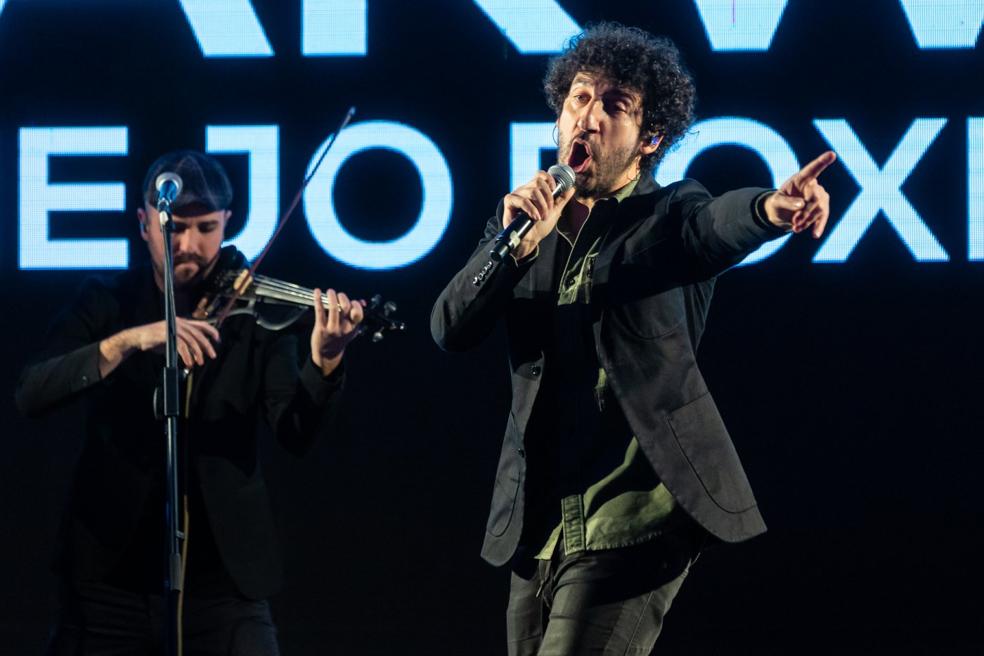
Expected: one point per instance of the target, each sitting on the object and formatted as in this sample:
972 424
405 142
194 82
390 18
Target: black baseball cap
205 186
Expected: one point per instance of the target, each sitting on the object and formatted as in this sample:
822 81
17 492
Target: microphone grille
167 176
564 175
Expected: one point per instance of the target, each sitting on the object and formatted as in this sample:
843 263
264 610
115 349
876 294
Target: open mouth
580 156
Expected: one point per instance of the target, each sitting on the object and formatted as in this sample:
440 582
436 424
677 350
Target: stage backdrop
848 369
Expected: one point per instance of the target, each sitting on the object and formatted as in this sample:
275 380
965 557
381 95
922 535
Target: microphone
168 187
512 234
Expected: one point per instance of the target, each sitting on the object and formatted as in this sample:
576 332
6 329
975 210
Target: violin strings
285 291
291 293
291 289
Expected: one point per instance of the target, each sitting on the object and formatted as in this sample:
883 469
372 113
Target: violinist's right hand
195 342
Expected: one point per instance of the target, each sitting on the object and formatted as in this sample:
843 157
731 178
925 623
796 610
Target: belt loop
572 511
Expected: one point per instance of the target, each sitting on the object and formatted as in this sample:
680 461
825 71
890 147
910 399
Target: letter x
881 191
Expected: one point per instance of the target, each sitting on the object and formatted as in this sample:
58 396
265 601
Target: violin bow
243 281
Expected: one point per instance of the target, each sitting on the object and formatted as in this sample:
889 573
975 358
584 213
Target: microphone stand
171 411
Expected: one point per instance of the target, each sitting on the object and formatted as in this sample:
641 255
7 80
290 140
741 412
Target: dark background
851 390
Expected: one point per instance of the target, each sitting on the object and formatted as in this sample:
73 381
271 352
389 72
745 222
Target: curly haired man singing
616 468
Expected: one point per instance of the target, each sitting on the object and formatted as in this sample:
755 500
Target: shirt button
521 451
535 370
85 380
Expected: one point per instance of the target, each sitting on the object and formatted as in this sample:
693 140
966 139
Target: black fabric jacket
256 376
652 285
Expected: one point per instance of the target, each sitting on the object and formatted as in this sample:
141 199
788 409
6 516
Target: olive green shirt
629 505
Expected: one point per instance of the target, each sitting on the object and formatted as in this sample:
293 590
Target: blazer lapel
640 204
539 280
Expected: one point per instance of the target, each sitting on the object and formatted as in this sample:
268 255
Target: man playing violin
106 351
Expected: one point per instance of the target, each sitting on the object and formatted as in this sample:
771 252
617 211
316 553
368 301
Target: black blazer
652 282
256 376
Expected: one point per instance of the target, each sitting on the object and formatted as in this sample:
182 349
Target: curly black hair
636 60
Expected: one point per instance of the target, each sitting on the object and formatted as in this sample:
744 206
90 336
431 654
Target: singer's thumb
786 202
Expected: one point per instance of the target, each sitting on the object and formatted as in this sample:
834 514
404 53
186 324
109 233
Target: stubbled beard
184 258
604 172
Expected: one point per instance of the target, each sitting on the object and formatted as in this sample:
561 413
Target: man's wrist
325 364
113 350
521 256
321 387
764 218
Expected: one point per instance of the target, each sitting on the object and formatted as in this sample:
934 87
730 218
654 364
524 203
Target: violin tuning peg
377 336
389 308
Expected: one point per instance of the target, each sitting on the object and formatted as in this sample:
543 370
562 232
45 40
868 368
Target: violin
231 289
234 287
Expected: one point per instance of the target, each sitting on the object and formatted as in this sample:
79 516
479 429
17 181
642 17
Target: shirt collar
625 191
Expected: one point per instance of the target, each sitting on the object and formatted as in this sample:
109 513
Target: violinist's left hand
334 328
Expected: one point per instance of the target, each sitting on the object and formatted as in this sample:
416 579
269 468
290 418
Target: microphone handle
510 236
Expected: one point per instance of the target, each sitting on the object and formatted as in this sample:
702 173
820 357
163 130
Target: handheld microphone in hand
168 187
512 234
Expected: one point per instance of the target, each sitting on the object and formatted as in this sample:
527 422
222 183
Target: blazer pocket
704 441
503 504
508 477
651 317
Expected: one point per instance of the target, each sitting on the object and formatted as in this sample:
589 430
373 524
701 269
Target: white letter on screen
260 144
881 191
435 211
944 23
39 197
535 27
334 28
975 188
526 142
740 24
226 28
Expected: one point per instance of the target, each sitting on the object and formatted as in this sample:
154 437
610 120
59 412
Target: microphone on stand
512 234
168 187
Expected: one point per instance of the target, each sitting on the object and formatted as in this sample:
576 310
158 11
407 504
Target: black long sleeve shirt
111 530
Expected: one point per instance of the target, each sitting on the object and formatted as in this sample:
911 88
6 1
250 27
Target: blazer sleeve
69 363
464 314
719 232
300 403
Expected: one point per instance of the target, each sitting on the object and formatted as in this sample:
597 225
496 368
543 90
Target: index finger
813 170
543 178
333 311
319 309
207 328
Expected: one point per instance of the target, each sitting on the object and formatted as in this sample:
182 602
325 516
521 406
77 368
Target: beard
185 276
604 171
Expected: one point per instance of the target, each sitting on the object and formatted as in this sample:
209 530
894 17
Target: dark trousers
597 602
100 620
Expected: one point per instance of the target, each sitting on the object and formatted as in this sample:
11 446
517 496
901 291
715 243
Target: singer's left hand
801 202
334 327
